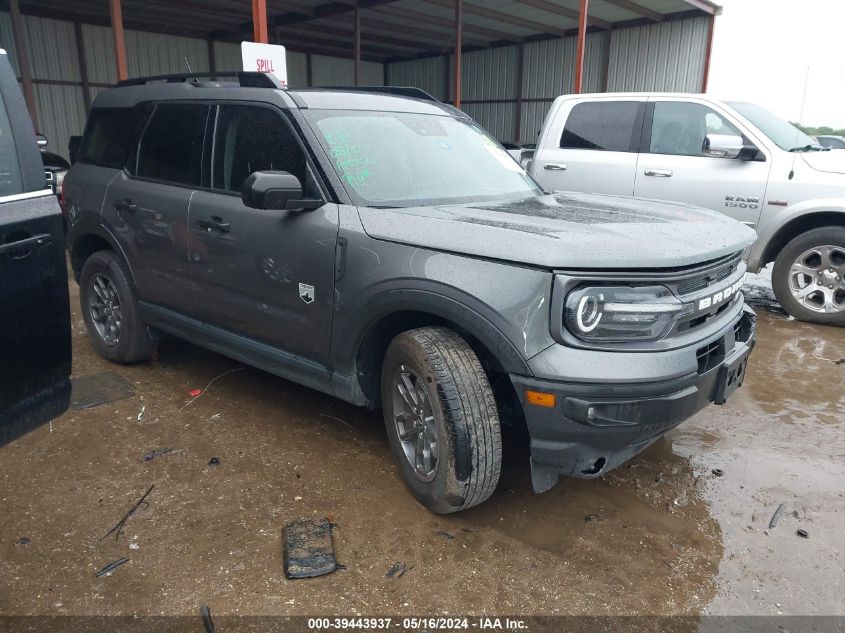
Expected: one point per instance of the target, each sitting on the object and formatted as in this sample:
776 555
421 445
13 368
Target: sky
762 50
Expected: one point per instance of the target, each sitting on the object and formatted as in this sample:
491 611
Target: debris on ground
841 361
802 533
96 389
207 622
156 453
776 516
196 393
141 413
214 461
592 517
446 535
122 523
397 569
108 569
718 472
134 546
308 549
24 540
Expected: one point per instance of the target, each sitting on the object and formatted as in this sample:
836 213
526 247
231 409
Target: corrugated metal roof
392 28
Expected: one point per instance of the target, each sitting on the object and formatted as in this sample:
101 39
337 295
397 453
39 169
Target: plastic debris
194 393
141 413
802 533
590 518
122 523
156 453
776 516
718 472
24 540
108 569
308 549
446 535
397 570
214 461
207 622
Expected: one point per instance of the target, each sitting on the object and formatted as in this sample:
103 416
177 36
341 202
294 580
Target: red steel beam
259 21
707 54
582 44
119 40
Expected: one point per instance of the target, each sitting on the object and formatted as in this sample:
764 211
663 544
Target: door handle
24 247
214 223
659 173
125 205
555 166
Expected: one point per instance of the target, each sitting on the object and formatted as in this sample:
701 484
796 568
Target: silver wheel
415 423
104 307
817 279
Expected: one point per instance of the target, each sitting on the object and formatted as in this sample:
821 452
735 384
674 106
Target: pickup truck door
35 351
591 146
263 274
672 166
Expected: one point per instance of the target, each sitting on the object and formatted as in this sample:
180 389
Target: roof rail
245 79
401 91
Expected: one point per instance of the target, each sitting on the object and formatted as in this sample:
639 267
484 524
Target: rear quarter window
109 136
612 126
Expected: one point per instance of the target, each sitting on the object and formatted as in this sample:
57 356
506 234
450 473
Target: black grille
710 355
699 283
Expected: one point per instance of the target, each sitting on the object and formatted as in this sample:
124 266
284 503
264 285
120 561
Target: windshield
783 134
397 159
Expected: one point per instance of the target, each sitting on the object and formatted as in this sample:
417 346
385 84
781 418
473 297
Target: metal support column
22 52
259 22
119 39
708 53
356 57
582 44
459 19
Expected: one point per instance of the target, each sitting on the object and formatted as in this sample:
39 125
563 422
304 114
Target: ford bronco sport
385 249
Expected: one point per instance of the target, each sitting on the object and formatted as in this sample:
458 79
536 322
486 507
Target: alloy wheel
415 423
104 308
817 279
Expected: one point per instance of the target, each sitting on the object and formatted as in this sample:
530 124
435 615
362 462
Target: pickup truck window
679 128
603 125
783 134
10 172
397 159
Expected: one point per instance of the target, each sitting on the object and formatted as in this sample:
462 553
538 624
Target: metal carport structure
501 60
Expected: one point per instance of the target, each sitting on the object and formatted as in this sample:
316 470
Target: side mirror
722 146
41 140
276 190
73 146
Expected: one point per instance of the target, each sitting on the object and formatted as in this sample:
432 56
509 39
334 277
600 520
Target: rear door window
108 137
612 126
170 148
10 172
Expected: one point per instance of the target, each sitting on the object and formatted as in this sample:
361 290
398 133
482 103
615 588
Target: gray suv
380 246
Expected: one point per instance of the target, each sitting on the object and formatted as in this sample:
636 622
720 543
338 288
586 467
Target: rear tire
109 305
809 276
438 404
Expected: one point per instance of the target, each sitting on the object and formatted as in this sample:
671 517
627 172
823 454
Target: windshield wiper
810 148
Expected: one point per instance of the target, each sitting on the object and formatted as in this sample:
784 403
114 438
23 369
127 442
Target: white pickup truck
732 157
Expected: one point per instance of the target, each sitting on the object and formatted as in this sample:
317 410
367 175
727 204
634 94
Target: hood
567 230
832 162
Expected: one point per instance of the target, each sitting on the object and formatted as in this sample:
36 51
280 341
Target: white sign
265 58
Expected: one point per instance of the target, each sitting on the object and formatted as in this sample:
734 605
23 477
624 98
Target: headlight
618 314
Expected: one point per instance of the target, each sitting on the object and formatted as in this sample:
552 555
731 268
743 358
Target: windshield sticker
352 163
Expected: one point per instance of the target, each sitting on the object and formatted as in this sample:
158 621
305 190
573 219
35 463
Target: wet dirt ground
681 529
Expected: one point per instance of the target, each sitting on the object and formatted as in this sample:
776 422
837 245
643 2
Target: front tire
109 305
441 419
809 276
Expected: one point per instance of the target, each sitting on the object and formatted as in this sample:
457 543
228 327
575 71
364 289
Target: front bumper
595 427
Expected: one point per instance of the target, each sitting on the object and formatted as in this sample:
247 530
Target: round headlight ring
588 315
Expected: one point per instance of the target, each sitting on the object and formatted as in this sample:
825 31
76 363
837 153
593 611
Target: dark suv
385 249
